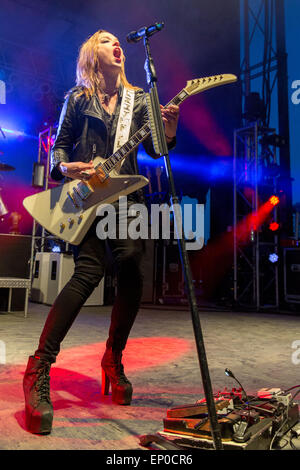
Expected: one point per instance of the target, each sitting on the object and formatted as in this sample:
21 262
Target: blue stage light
197 165
273 258
14 133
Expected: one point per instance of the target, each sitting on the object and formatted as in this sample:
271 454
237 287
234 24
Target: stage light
255 108
274 140
14 133
273 257
2 92
56 249
38 175
273 226
196 165
274 200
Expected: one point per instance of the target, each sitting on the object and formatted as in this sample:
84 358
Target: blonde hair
88 67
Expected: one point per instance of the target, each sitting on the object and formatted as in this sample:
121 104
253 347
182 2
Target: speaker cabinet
169 275
51 273
292 275
148 270
173 282
15 253
17 299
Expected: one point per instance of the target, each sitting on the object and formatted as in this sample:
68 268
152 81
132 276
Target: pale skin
111 58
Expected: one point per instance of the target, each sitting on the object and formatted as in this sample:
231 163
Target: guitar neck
137 138
193 87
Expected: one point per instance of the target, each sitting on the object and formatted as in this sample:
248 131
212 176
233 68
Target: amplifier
148 268
173 281
17 299
292 274
15 253
169 282
51 273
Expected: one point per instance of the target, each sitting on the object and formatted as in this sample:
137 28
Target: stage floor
160 360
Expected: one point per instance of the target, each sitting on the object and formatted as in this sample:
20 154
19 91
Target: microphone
136 36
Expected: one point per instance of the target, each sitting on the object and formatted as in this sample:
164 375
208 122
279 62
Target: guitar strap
125 118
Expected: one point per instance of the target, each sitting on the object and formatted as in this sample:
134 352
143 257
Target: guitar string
147 131
118 156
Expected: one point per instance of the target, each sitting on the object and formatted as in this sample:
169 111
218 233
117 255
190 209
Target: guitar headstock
200 84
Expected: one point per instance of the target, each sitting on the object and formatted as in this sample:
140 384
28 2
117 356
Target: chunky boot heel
105 383
38 406
122 393
39 421
113 374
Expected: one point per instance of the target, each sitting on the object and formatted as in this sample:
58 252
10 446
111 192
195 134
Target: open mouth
117 52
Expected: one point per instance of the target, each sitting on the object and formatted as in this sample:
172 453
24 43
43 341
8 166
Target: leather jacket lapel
94 109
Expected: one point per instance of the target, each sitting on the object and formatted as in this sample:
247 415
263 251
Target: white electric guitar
67 211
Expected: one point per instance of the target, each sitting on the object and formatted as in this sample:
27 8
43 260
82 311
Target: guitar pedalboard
255 423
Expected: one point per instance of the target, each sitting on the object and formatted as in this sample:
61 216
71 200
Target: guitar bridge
73 200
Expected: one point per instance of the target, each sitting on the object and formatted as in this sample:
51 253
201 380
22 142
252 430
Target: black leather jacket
82 132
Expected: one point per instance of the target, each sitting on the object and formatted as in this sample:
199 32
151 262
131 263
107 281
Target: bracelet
171 138
63 169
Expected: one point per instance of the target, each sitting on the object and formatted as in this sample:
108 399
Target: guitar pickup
101 174
83 190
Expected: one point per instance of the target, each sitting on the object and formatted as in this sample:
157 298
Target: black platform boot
113 373
38 406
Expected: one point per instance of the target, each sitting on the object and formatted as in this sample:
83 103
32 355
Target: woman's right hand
77 170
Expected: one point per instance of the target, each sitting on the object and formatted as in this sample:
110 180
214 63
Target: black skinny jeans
89 270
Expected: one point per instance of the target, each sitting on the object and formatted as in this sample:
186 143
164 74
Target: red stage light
274 226
274 200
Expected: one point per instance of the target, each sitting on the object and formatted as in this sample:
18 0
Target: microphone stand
162 145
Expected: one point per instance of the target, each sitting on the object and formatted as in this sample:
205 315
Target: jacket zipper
94 151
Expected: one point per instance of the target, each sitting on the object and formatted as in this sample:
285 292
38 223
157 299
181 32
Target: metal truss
259 26
255 277
261 169
46 140
263 23
39 234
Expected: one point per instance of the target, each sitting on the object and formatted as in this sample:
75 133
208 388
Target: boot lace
42 385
